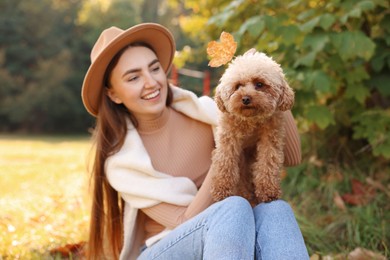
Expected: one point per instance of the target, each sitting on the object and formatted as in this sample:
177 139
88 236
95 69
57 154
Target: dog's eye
238 86
259 85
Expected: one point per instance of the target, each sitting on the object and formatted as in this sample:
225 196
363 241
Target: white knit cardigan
130 171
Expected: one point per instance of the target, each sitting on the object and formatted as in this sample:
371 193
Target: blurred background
335 54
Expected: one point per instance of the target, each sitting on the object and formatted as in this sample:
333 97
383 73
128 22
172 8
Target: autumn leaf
221 52
361 194
363 254
69 250
357 254
338 201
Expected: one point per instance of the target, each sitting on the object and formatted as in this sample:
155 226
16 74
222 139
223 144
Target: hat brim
155 35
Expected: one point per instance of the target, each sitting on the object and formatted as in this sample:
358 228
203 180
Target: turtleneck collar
149 126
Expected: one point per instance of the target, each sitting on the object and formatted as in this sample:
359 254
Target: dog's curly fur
252 93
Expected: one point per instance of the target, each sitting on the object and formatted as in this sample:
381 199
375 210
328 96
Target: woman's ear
112 95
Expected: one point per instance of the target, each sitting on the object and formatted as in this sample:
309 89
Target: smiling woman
139 83
43 195
143 199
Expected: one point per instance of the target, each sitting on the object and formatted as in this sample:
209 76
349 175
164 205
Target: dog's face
253 85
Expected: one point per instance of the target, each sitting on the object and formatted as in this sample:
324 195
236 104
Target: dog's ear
286 99
250 51
219 102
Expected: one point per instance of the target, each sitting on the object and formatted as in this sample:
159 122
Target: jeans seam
179 238
257 248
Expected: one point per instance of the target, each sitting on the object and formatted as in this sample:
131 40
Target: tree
39 66
44 55
336 55
96 16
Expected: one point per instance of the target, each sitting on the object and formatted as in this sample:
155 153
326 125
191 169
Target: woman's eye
259 85
156 68
133 78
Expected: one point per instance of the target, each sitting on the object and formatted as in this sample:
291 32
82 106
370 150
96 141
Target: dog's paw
220 192
218 196
268 195
224 182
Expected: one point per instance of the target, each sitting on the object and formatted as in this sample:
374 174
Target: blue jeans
232 229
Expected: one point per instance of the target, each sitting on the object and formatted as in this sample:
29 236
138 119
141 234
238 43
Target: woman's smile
152 95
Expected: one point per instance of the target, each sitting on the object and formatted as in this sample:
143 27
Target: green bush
336 55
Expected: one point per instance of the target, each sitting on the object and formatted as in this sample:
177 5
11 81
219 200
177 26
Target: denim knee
277 232
275 210
230 230
237 203
277 207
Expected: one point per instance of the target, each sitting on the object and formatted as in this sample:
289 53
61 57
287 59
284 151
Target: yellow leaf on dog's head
221 52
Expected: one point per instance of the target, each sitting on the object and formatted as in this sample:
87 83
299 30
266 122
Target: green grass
43 194
44 201
329 229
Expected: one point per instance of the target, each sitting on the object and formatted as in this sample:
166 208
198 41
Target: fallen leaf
69 250
357 254
363 254
221 52
315 161
320 257
338 201
333 175
315 257
358 188
361 194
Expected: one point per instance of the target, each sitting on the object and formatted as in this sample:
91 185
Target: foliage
99 15
44 54
39 69
336 55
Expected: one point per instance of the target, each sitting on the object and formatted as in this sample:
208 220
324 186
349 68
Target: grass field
343 212
44 202
43 194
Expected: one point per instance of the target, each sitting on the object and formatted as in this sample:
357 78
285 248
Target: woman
154 141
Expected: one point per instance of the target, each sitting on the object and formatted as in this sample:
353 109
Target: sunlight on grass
43 195
44 201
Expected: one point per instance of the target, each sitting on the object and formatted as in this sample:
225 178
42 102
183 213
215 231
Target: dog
251 96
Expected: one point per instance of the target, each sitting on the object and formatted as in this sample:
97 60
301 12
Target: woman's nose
150 81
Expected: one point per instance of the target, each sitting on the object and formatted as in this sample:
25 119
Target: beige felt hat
110 42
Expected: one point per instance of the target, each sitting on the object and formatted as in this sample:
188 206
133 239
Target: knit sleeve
171 216
168 215
292 149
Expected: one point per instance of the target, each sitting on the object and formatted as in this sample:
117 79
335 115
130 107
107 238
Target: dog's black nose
246 100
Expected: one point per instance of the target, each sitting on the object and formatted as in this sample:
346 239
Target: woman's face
139 82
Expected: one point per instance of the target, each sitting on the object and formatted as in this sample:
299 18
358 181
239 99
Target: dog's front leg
225 165
269 161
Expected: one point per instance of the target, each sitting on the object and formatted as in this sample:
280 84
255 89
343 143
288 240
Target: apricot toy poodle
251 95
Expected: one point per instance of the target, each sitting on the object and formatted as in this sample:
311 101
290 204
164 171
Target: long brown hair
106 223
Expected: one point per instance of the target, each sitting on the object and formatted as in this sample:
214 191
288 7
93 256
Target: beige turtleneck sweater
181 146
